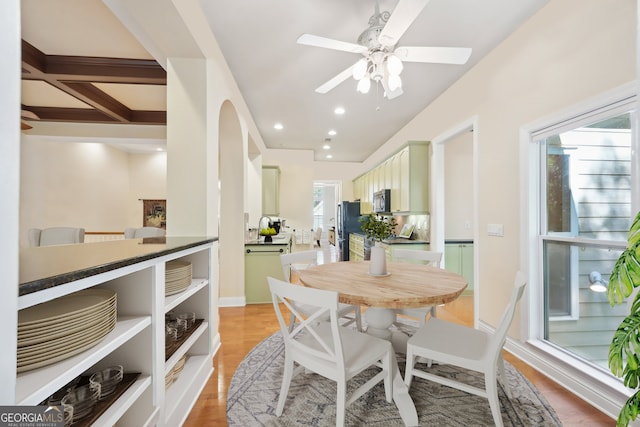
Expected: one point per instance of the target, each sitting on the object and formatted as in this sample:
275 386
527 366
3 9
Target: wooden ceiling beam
74 75
90 69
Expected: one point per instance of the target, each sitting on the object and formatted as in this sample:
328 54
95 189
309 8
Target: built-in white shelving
137 340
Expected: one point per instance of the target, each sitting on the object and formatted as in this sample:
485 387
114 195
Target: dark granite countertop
48 266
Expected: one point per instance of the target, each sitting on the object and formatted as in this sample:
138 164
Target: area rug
255 386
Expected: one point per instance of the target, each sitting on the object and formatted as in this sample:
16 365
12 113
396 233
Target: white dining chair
326 348
449 343
55 236
416 256
303 259
138 233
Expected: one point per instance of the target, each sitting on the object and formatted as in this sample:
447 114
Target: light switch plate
495 230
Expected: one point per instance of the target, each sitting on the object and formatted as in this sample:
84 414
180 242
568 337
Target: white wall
9 187
147 180
298 172
296 185
90 185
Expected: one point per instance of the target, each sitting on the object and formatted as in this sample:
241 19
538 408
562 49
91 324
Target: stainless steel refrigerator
348 216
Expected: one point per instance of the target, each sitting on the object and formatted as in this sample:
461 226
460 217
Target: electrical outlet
495 230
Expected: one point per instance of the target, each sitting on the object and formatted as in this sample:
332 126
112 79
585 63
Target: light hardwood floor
241 328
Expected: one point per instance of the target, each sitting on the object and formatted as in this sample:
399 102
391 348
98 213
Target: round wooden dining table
405 286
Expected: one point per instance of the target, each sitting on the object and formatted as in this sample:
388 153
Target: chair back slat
500 335
410 255
297 260
305 337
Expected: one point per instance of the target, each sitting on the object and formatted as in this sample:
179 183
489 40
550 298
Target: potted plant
379 228
625 345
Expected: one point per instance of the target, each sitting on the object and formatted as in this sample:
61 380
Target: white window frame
593 385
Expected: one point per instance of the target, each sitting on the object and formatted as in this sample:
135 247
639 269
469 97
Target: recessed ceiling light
329 156
326 147
339 110
332 132
159 149
278 126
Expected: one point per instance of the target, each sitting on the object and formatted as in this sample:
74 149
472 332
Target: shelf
184 347
172 301
127 400
29 385
136 340
181 395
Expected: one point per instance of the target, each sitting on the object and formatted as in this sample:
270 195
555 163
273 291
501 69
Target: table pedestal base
379 320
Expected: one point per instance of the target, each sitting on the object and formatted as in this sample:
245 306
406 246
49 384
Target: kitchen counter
278 239
395 241
48 266
401 241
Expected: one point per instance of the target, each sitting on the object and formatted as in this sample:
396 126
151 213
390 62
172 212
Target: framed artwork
154 213
406 231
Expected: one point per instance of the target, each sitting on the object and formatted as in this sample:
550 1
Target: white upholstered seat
300 260
55 236
449 343
326 348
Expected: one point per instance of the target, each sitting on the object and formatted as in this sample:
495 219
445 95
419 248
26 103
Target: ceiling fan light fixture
364 84
394 65
394 82
360 69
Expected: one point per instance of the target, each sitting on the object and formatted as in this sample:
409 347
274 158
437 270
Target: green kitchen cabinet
261 261
458 257
406 173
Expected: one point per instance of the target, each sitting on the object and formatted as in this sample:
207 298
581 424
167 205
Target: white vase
378 263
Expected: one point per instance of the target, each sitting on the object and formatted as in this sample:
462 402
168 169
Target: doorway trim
437 199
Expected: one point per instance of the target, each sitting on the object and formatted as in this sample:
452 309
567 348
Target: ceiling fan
382 58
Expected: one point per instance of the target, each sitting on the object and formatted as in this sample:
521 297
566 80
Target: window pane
588 334
588 188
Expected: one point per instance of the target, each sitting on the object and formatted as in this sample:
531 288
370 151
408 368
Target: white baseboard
232 302
596 388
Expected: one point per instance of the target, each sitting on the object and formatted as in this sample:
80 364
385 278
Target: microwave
382 201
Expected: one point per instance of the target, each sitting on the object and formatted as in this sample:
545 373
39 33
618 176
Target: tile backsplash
421 222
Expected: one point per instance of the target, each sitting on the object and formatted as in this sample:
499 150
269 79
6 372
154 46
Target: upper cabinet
406 174
271 190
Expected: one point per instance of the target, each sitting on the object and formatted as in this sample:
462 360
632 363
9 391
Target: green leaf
629 411
625 341
634 232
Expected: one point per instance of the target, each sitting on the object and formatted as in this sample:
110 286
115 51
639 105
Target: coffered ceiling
82 65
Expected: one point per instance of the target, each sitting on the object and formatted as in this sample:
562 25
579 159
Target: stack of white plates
60 328
168 380
177 369
177 276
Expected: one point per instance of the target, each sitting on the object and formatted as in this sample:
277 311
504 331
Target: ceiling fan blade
317 41
335 81
403 15
440 55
